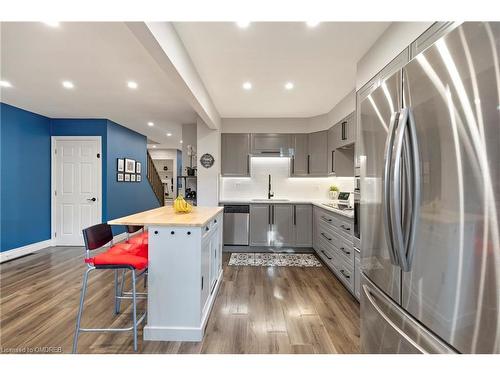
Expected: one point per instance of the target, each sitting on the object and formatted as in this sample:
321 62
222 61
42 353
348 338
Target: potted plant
334 192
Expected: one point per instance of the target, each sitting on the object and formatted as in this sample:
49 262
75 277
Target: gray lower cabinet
300 144
235 155
303 223
260 219
282 224
332 241
270 144
318 148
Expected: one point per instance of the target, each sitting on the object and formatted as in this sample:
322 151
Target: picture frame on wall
132 177
138 178
127 177
120 165
129 166
137 167
119 177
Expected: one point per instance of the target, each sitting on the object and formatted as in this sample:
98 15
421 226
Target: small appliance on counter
343 202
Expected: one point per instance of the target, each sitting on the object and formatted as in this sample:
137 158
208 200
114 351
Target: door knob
91 199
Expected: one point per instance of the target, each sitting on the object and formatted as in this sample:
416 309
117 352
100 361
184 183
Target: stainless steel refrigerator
430 201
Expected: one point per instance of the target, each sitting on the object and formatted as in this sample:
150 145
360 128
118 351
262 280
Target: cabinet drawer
346 251
327 235
345 228
345 274
327 219
327 254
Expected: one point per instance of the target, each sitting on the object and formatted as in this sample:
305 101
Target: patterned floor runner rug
274 259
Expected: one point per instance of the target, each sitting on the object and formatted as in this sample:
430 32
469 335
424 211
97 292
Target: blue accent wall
25 172
25 177
126 198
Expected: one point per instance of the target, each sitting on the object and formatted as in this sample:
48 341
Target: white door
77 187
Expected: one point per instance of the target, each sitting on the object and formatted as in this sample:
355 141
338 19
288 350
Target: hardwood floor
258 310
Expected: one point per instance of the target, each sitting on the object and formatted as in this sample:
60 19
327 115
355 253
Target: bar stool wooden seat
123 257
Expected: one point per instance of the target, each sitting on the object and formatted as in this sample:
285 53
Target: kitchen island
185 270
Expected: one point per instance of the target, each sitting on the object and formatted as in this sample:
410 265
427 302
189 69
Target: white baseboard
31 248
24 250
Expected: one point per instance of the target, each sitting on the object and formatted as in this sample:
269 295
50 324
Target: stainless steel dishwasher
236 224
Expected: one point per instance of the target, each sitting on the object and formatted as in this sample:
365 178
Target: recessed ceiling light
289 85
68 84
52 23
5 84
312 23
247 85
154 146
132 85
243 24
181 141
151 123
169 134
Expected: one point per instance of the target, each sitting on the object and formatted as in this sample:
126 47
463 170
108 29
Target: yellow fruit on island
180 205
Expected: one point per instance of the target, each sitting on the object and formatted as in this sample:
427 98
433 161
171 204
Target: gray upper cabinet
318 148
300 144
235 154
270 144
282 223
302 221
344 162
332 145
346 131
260 220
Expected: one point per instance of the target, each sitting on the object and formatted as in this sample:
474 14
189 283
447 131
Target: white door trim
53 140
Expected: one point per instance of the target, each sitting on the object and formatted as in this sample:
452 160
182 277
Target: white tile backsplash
283 186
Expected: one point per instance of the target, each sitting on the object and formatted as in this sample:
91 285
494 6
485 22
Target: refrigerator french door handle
386 189
395 191
415 188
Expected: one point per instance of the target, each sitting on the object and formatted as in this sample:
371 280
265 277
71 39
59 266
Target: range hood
277 153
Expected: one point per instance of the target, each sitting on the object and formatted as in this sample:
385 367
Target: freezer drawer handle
370 297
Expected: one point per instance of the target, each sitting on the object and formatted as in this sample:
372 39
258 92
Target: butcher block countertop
168 217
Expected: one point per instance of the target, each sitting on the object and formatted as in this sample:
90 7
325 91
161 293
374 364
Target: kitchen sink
270 200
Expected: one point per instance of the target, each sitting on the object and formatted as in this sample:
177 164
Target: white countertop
315 202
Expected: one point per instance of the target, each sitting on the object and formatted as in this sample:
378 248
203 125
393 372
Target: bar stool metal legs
80 309
119 294
134 310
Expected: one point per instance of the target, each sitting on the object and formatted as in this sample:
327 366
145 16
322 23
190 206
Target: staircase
155 181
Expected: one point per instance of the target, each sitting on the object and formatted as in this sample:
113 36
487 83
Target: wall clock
207 160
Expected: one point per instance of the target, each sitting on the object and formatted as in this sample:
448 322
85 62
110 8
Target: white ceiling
320 61
99 57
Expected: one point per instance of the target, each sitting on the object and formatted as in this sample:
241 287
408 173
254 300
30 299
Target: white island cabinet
185 270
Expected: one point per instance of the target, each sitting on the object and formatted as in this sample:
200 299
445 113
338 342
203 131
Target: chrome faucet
270 194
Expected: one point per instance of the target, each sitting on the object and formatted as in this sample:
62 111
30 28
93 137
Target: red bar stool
141 238
137 239
117 257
